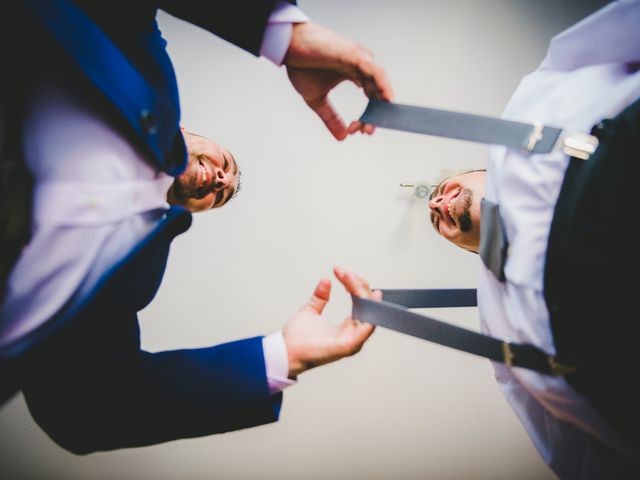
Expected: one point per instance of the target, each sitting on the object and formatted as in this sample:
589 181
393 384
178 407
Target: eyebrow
229 163
220 200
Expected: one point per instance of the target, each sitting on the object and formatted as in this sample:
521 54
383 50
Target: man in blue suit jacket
101 227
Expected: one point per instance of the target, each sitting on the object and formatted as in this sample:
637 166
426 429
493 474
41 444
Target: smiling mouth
203 174
450 212
203 179
449 209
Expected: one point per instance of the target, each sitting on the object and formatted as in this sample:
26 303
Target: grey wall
402 408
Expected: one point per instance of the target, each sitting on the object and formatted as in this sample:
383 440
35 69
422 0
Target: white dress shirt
95 198
587 75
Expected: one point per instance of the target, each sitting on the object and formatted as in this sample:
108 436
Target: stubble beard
465 217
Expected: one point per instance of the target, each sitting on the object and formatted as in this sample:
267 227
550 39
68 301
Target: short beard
465 218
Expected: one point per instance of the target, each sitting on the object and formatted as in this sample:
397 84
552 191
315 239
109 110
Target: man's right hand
312 340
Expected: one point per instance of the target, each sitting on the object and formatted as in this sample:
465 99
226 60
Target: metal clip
535 136
420 190
558 369
579 145
507 353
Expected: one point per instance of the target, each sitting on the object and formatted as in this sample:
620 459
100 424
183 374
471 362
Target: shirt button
149 122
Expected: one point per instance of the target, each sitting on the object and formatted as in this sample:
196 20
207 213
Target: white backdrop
402 408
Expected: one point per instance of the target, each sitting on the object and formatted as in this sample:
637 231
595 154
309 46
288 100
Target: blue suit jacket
90 387
84 377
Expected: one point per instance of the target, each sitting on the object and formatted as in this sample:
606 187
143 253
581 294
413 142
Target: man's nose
221 180
436 202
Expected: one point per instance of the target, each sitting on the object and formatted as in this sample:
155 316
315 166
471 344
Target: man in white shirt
568 283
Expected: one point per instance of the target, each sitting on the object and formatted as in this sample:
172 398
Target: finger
376 295
353 334
374 80
320 296
358 126
373 90
364 283
354 127
352 283
331 118
362 331
382 90
338 272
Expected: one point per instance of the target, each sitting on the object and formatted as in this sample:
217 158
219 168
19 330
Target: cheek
456 236
448 232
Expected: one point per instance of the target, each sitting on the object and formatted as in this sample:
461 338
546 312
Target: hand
313 341
319 59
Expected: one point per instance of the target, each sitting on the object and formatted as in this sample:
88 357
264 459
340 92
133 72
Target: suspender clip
535 136
579 145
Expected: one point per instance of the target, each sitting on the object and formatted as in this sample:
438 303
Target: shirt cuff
276 362
277 35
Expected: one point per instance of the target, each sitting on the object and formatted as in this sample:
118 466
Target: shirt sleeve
276 362
277 35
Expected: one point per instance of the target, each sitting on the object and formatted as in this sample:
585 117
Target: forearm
241 22
125 399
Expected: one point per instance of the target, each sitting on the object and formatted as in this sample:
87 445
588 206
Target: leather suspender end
507 353
528 356
558 369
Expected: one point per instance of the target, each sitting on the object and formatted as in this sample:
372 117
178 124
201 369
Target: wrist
295 50
313 46
296 358
296 366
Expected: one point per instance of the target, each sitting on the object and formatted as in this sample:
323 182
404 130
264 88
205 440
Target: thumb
320 296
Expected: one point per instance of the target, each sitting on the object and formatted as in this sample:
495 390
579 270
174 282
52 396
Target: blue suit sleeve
99 391
240 22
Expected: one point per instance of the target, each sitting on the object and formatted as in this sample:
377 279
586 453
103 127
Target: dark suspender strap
432 298
395 316
461 126
532 138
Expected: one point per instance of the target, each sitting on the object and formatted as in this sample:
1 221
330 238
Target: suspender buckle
535 136
507 353
558 369
579 145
